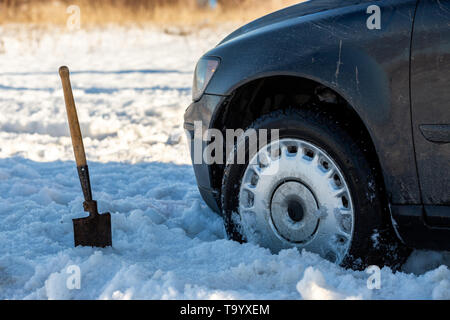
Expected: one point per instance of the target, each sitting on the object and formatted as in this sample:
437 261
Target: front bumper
199 116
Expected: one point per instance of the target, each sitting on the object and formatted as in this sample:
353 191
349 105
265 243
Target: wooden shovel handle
75 132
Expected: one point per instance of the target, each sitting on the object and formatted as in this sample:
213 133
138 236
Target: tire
292 206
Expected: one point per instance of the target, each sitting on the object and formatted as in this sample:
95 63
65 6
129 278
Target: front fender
368 68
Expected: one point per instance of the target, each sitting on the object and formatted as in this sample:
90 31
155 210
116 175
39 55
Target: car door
430 99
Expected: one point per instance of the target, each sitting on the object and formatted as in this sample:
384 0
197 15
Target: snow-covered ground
132 87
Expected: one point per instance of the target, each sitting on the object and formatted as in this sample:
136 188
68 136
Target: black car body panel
202 111
328 42
293 12
430 99
368 68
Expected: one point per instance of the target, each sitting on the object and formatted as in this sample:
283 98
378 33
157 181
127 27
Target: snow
131 87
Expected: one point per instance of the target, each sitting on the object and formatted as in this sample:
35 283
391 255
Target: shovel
95 230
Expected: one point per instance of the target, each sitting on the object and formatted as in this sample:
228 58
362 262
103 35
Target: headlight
204 71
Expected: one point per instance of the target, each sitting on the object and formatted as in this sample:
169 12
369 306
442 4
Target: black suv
359 95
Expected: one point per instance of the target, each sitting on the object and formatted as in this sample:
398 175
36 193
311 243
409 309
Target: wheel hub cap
294 195
293 212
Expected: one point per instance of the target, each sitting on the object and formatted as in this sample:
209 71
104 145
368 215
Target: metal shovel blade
93 231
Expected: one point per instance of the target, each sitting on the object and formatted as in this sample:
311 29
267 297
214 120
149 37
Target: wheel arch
271 92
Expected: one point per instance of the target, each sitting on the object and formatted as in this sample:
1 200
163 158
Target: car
358 92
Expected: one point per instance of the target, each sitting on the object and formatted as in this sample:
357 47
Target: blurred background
132 64
141 12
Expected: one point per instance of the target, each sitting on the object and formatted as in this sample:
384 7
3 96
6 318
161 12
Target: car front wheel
312 188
